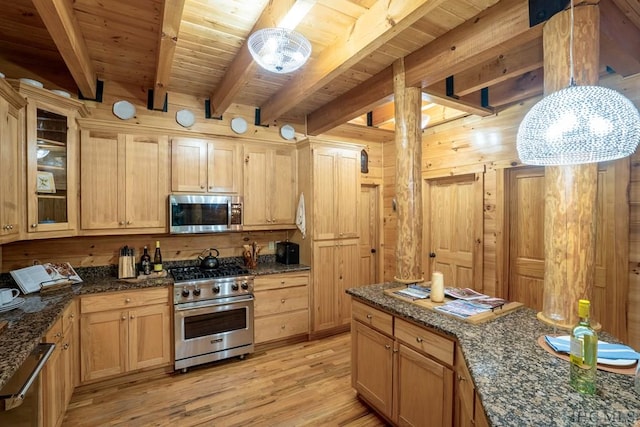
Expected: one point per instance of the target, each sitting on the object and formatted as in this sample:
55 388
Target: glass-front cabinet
52 162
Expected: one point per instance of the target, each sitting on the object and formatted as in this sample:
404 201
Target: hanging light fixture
578 124
279 50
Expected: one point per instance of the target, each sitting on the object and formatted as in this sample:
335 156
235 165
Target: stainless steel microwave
200 213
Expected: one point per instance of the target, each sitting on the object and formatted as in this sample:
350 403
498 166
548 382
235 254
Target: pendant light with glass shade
578 124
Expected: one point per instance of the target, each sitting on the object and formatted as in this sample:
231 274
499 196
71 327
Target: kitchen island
517 382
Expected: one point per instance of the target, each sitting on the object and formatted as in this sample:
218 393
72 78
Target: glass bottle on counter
584 352
157 258
145 262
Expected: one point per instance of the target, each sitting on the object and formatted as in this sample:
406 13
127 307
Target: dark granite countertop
519 383
29 322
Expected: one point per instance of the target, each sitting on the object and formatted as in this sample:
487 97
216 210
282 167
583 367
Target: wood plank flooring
306 384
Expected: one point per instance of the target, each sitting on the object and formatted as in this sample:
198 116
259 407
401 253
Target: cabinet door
188 165
347 275
372 367
325 307
224 167
146 181
424 392
325 186
101 178
104 344
149 336
9 164
284 196
257 185
348 193
53 393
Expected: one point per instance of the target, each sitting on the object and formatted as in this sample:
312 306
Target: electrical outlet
272 245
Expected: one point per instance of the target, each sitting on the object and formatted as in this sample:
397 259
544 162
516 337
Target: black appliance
288 253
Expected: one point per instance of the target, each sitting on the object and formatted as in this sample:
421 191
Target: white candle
437 287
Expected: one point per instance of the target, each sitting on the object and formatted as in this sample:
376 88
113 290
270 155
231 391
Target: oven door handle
217 303
13 401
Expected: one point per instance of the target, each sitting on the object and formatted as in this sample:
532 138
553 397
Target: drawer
123 300
281 300
54 335
373 317
277 281
281 326
425 341
464 386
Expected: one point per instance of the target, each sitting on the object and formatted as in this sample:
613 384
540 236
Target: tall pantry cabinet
330 181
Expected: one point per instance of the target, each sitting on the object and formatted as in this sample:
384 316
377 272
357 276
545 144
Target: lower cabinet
467 406
281 308
59 374
400 369
123 332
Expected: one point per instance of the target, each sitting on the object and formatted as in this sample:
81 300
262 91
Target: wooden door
257 190
284 186
9 213
146 181
101 180
424 390
224 167
188 165
454 215
372 366
149 336
526 236
104 344
325 308
348 256
348 192
325 186
369 235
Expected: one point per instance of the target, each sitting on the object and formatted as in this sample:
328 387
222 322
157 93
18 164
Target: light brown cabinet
270 186
11 113
468 410
123 332
124 181
59 376
206 166
281 306
402 370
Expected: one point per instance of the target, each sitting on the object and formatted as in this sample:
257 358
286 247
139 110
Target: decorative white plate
11 305
185 118
1 75
32 82
617 362
124 110
61 93
287 132
238 125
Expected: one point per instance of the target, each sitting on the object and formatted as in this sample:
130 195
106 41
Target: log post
570 191
408 140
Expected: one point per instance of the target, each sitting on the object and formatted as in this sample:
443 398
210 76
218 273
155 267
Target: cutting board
475 319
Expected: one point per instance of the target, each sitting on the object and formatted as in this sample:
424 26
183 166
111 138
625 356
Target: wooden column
570 191
408 127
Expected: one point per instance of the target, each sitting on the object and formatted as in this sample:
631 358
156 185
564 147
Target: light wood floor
306 384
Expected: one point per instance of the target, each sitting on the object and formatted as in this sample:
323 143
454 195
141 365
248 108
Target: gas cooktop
190 273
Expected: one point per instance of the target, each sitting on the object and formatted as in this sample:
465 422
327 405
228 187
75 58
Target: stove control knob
234 286
216 289
245 285
185 292
196 292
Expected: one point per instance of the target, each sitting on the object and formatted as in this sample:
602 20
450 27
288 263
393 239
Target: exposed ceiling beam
383 21
59 18
383 113
242 68
619 40
171 17
517 88
500 28
472 107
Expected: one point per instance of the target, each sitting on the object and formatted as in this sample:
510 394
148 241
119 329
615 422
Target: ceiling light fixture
578 124
279 50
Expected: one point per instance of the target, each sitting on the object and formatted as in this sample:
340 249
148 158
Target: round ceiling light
279 50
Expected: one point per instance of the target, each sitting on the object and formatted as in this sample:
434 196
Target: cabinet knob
461 378
132 317
128 222
59 334
65 347
283 326
202 187
34 225
121 223
282 300
10 226
369 316
127 300
418 339
282 282
124 317
387 346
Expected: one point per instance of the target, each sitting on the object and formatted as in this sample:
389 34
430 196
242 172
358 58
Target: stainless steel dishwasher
19 398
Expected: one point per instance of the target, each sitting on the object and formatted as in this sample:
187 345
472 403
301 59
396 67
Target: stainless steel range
213 314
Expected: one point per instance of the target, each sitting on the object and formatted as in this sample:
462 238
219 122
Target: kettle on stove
209 262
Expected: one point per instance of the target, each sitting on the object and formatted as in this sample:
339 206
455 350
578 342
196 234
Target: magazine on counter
461 308
34 278
464 293
489 302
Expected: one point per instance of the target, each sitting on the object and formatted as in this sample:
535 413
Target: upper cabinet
206 166
52 161
11 105
270 186
124 182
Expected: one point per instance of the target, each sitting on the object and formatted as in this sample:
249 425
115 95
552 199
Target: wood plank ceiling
483 49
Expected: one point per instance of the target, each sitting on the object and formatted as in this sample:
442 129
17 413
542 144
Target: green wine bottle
584 352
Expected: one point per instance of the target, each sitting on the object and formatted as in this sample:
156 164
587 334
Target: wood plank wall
467 143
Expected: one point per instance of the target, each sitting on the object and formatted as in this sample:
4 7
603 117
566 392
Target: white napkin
300 217
606 350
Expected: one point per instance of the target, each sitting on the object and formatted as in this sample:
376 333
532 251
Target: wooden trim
620 264
455 171
478 229
502 233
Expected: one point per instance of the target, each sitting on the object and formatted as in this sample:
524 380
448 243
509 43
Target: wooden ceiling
484 49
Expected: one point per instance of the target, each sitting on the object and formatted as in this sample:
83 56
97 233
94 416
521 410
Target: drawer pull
369 316
418 339
283 326
65 347
132 317
282 300
124 317
282 282
59 334
461 378
127 300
